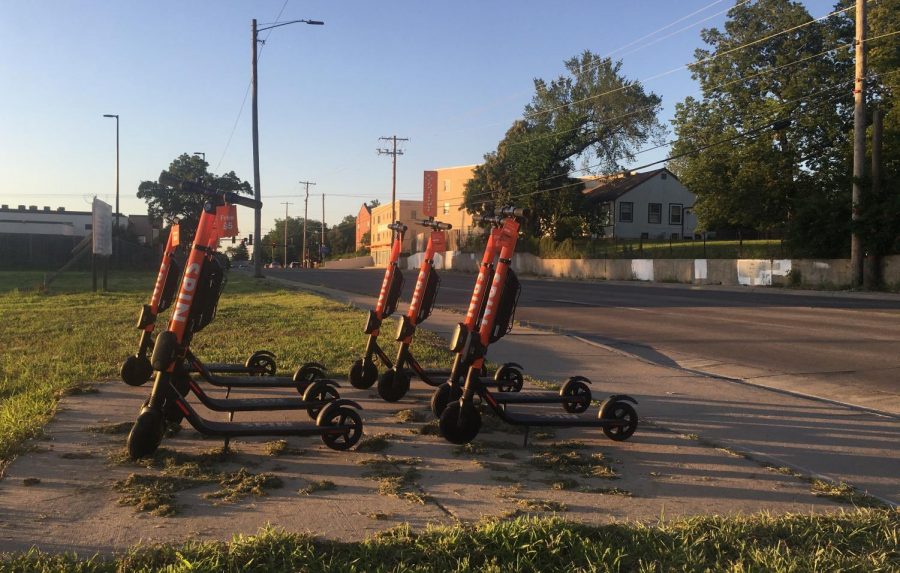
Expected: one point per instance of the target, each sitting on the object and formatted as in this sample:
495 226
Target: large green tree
341 238
768 145
592 116
166 203
273 241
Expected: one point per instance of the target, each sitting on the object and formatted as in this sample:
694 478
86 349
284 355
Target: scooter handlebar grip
493 219
397 226
510 211
436 225
242 200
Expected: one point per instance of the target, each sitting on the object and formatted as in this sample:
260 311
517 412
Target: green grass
861 541
55 342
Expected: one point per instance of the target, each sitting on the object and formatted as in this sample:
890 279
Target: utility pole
393 153
257 213
859 141
285 203
257 220
322 244
305 217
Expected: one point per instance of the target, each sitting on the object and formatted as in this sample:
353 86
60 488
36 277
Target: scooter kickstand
525 440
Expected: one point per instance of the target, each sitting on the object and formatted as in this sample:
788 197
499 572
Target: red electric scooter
136 369
460 420
337 423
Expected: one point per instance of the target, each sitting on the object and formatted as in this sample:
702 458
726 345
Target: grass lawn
57 342
864 541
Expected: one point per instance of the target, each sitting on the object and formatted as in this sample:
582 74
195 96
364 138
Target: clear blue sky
450 76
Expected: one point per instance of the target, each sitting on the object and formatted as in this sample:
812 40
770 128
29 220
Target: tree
238 252
592 115
294 240
341 238
767 145
165 203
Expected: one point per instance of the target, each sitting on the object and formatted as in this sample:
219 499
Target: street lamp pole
257 218
201 154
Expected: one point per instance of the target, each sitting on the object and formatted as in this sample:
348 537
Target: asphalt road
835 346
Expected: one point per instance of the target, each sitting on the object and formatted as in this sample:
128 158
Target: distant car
295 265
273 265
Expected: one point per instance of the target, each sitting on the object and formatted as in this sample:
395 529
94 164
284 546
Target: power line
750 131
247 92
393 152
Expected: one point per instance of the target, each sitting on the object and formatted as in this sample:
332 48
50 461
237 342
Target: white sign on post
101 224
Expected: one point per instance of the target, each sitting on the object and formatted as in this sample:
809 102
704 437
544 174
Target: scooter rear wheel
319 392
349 418
363 375
146 434
620 410
460 423
264 365
578 389
393 385
136 370
509 379
443 395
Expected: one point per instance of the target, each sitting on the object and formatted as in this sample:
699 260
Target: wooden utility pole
305 217
285 203
322 244
859 142
257 213
394 152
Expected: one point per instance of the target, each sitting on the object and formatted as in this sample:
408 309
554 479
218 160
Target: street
830 345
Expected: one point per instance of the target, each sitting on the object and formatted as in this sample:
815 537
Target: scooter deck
229 368
245 429
559 420
248 381
257 404
537 398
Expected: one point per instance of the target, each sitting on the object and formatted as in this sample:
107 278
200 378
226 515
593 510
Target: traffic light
250 239
233 240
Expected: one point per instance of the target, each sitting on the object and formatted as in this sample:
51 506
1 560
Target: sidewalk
815 437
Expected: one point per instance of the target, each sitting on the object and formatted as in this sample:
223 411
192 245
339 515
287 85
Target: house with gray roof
654 205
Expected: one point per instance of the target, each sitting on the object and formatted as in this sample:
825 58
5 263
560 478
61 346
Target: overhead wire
247 91
693 151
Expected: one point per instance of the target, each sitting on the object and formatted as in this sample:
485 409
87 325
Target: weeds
321 485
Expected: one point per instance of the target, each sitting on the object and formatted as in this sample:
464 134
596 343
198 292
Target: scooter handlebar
517 212
492 219
397 226
193 187
436 225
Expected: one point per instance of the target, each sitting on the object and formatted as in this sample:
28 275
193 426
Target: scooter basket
170 288
393 294
209 289
430 295
507 309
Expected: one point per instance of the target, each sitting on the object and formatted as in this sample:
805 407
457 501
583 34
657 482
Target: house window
675 213
654 213
412 215
626 212
446 207
88 226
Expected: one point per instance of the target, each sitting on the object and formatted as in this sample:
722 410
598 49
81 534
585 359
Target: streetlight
201 154
117 164
257 218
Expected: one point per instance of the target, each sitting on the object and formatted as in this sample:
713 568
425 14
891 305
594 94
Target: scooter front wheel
136 370
347 419
460 423
620 411
363 374
443 395
146 434
393 385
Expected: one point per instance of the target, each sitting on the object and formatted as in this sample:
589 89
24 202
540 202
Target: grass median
865 540
66 339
